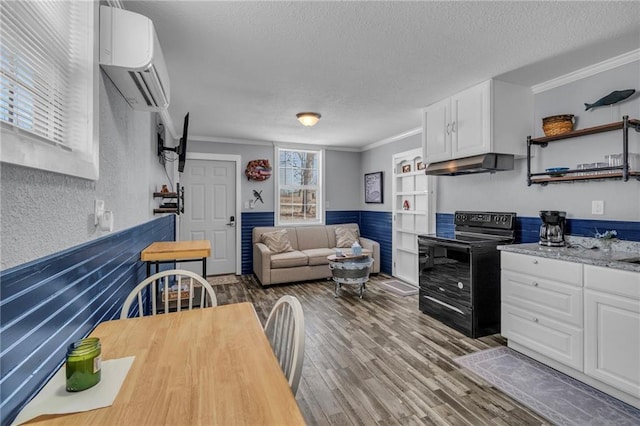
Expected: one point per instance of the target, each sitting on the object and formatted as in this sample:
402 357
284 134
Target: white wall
508 191
42 213
341 168
381 159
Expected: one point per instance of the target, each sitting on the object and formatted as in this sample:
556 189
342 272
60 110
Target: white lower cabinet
584 317
612 327
542 306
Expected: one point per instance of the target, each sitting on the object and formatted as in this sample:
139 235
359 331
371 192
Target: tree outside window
299 186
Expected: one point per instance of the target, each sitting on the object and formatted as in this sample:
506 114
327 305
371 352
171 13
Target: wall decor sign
373 187
258 170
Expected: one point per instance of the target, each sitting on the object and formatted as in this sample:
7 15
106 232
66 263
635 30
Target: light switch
597 207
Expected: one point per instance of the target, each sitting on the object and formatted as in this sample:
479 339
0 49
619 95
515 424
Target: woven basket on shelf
557 124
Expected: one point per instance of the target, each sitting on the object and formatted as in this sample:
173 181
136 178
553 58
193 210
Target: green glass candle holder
83 366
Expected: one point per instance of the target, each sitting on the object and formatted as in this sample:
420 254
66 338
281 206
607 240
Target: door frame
237 159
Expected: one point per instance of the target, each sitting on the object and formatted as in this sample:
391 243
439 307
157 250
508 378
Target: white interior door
210 212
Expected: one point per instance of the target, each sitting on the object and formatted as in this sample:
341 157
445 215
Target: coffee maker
552 228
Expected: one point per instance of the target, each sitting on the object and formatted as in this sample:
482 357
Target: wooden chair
285 331
169 282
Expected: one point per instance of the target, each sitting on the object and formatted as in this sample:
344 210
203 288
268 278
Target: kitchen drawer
447 311
613 281
556 270
554 339
553 299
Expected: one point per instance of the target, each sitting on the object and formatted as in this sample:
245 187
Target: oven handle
448 244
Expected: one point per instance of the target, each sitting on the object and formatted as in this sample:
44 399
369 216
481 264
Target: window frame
23 148
320 192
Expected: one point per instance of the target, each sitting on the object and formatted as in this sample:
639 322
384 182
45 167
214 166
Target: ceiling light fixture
308 118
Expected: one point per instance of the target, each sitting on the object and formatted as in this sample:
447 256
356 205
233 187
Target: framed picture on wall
373 187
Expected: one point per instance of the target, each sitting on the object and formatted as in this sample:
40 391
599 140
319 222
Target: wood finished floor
380 360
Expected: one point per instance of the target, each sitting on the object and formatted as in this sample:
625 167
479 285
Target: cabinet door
612 340
471 121
436 132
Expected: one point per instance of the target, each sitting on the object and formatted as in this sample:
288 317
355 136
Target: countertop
579 251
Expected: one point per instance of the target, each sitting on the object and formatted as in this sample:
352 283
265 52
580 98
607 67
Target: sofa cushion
345 237
288 259
318 256
277 241
310 237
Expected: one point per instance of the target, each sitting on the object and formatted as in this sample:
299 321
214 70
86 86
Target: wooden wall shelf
177 196
621 172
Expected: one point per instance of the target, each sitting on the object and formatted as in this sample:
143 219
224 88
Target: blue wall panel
250 221
342 216
50 302
527 228
378 227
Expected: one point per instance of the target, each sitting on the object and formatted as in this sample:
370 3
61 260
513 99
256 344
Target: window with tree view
299 186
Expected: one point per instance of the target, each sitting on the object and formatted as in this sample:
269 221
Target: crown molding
594 69
391 139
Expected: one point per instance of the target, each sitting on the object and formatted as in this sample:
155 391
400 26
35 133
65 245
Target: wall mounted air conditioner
130 55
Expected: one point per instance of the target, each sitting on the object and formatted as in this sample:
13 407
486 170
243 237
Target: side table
177 251
350 270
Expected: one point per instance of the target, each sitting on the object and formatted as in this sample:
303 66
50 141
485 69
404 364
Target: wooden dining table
211 366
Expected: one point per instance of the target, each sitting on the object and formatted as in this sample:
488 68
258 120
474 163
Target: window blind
44 69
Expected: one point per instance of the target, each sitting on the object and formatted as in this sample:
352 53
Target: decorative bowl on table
557 171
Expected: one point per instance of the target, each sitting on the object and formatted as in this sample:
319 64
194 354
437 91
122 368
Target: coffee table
350 270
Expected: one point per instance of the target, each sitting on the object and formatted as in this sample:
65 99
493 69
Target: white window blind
47 96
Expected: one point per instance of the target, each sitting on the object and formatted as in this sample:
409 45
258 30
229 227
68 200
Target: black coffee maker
552 228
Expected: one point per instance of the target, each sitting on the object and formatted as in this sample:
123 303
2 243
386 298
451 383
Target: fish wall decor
612 98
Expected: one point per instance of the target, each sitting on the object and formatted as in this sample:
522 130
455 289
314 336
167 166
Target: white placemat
54 398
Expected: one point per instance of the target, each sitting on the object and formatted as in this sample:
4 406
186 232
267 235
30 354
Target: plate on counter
556 171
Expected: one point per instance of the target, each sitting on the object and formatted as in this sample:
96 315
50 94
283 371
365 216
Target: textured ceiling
244 69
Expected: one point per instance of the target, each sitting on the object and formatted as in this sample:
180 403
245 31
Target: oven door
445 283
445 268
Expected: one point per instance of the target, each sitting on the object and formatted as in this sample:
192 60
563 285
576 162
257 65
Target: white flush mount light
308 118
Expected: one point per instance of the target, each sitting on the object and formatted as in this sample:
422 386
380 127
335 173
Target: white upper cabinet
493 116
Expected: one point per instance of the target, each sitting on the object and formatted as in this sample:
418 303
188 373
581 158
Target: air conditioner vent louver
130 55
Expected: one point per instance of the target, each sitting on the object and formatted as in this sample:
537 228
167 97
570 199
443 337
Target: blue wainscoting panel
378 227
628 231
249 221
444 224
50 302
527 227
342 216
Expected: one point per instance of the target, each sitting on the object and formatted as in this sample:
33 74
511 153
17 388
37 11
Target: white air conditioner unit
130 54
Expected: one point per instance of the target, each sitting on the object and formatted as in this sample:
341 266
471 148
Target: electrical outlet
597 207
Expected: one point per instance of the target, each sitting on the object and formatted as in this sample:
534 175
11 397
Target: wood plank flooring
379 360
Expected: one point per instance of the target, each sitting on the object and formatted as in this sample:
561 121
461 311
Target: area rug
398 287
223 279
556 396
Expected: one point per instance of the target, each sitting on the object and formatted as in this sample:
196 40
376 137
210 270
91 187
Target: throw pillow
277 241
345 237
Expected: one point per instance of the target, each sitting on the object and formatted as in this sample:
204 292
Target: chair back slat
285 330
161 282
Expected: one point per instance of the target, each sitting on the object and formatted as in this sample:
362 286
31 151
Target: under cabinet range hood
484 163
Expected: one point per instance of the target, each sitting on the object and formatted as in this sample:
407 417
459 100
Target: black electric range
460 271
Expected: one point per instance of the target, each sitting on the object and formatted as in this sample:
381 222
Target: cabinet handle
535 320
448 128
535 284
453 127
535 262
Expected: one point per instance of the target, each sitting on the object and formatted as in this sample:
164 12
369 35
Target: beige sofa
308 261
